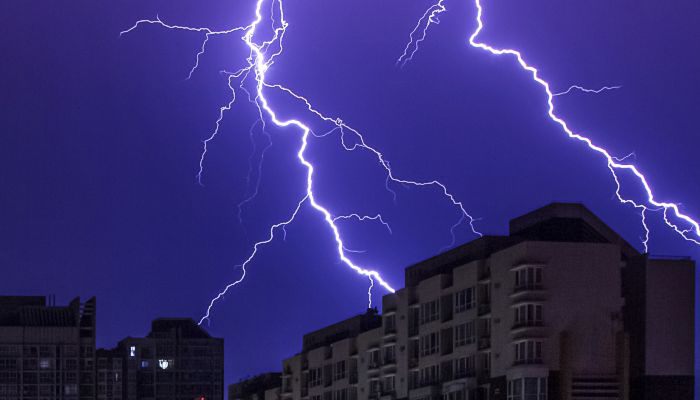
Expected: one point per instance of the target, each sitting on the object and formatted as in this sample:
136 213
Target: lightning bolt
257 64
586 90
358 217
691 231
430 16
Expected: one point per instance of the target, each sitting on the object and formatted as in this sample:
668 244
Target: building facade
177 360
560 309
47 352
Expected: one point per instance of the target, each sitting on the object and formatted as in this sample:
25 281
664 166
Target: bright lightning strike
430 16
692 230
586 90
258 62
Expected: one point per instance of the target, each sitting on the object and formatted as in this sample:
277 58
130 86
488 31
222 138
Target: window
464 334
528 278
44 363
527 389
341 394
390 354
429 375
464 300
339 371
414 379
315 376
528 352
456 395
389 384
390 324
132 351
429 344
374 358
145 364
528 315
464 366
429 312
373 387
165 364
71 389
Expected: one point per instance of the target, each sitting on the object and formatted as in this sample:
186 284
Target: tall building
46 351
177 360
560 309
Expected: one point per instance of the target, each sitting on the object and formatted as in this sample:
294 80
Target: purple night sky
102 135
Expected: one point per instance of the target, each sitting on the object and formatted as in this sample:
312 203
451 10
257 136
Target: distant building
46 351
261 387
177 360
561 309
109 372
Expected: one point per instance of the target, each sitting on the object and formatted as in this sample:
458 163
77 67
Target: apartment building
561 308
46 351
177 360
260 387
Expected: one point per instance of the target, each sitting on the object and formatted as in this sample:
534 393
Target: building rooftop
348 328
34 311
184 327
555 222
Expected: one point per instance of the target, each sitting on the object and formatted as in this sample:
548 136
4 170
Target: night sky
101 138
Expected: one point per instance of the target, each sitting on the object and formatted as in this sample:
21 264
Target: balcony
527 288
531 361
484 342
484 275
413 362
484 309
526 324
374 365
413 331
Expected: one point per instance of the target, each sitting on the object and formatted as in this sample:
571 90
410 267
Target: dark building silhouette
260 387
560 309
177 360
109 375
46 351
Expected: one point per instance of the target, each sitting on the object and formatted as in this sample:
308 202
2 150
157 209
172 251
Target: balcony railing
528 361
527 324
530 287
374 364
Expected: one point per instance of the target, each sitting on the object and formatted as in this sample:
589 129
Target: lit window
165 364
44 363
145 364
132 351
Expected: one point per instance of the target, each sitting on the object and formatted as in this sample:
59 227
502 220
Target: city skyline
103 138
